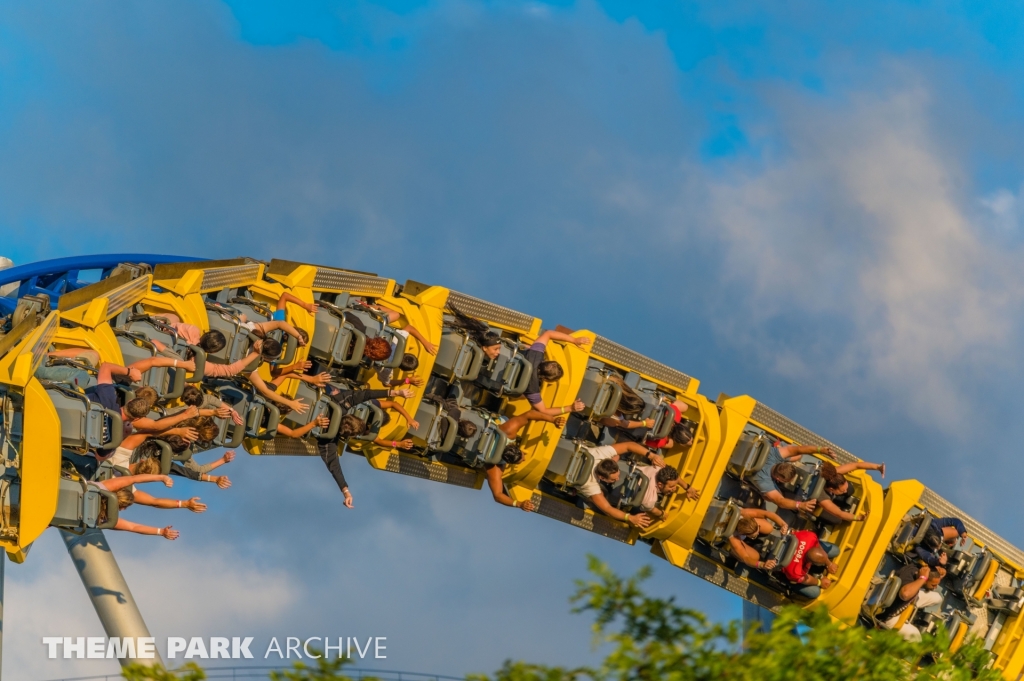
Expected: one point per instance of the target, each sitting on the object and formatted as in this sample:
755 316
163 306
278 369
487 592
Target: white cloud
863 224
180 591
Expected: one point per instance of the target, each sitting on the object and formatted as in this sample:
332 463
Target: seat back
78 507
376 325
749 455
720 521
319 405
571 464
664 418
224 319
599 394
880 596
458 357
783 549
262 419
169 382
372 416
231 435
85 424
910 533
154 330
485 447
808 483
629 489
437 430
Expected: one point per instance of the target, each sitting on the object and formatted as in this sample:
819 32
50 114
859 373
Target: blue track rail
60 275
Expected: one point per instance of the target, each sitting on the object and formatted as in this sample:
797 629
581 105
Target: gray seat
231 435
911 533
628 491
598 392
238 340
437 430
749 455
78 507
372 416
167 456
880 596
84 424
970 572
148 329
168 382
487 444
664 419
1006 599
571 464
262 419
720 521
458 357
319 404
376 325
335 341
258 312
507 374
781 549
808 483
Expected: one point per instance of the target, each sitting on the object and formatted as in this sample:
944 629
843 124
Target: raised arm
298 405
551 335
146 499
637 448
746 554
144 365
601 504
151 426
295 300
267 327
758 513
321 421
792 451
120 482
497 487
830 507
128 526
625 424
415 333
87 354
789 504
391 404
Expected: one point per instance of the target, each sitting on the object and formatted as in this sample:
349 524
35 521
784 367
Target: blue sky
818 204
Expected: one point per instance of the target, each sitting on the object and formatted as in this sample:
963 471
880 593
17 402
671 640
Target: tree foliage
655 639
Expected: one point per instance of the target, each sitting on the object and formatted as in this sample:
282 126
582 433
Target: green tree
654 639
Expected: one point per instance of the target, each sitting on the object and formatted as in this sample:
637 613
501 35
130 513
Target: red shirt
658 444
801 563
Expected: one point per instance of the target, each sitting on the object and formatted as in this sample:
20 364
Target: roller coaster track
54 309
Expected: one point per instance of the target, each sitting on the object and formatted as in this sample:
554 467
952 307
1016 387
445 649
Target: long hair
631 404
477 330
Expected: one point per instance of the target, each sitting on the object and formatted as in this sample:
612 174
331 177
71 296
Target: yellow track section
82 319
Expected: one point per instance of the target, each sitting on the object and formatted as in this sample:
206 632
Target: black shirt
907 575
347 399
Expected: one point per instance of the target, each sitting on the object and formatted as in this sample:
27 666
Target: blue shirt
762 479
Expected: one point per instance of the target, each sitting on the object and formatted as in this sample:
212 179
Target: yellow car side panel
40 464
18 365
901 497
539 438
101 339
703 467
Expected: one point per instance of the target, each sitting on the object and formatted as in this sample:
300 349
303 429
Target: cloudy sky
817 204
